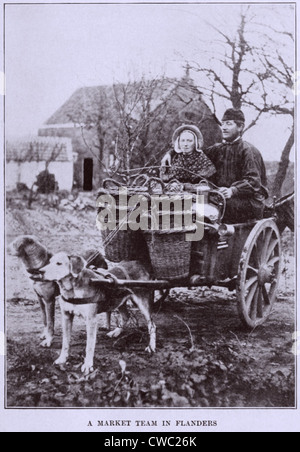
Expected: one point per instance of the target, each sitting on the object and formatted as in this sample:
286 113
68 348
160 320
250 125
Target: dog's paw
115 333
61 361
87 369
43 335
150 349
47 343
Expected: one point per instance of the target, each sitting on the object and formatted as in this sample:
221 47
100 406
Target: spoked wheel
259 273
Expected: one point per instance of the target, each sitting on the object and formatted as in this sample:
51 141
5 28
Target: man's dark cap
233 114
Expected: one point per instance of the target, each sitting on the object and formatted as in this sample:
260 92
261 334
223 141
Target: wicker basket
126 246
170 253
121 247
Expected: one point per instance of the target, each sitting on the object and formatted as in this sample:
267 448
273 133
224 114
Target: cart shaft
130 284
163 284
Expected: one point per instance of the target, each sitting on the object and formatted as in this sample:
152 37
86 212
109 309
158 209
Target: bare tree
149 112
140 105
254 70
38 151
95 117
127 127
281 81
116 124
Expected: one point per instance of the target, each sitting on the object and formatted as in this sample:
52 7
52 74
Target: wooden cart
248 260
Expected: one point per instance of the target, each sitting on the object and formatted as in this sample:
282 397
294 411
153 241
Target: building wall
82 151
27 173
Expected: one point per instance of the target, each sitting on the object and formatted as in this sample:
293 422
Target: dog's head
27 247
61 266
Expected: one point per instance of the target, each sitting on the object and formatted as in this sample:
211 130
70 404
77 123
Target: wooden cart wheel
259 273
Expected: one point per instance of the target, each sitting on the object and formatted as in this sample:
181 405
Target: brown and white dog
35 256
80 296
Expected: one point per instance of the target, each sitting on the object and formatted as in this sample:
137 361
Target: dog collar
33 271
79 301
34 275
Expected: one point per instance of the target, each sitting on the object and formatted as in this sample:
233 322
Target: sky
52 50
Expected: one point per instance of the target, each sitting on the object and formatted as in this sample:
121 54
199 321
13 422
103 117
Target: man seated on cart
240 171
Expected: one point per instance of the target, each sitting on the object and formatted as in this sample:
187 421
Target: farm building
103 120
26 159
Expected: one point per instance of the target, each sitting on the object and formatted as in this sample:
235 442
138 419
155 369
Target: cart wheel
259 273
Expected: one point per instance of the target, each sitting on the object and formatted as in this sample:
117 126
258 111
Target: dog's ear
103 264
77 264
18 246
95 258
22 241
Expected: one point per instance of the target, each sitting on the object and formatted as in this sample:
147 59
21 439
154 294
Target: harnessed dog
34 256
80 296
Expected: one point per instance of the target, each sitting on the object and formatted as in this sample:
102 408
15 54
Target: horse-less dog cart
246 257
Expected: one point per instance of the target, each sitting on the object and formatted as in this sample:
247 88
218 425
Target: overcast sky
51 50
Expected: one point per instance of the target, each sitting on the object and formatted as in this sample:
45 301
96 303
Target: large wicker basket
170 253
121 247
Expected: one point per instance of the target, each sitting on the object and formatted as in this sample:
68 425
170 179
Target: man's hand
227 192
167 160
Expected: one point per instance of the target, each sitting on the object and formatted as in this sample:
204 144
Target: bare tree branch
257 76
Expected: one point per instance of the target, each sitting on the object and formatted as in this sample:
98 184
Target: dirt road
215 364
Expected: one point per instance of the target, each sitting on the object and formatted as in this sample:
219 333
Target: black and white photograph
149 220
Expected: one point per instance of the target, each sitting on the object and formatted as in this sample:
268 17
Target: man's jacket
240 166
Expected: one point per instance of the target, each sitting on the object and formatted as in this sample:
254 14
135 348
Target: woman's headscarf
198 137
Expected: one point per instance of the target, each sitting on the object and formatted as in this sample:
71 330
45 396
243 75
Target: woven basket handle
111 181
102 192
158 181
174 181
140 177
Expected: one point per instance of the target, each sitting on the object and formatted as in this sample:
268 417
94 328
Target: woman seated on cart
240 170
188 163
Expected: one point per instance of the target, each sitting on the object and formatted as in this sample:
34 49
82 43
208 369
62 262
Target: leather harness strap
35 275
107 274
83 301
80 301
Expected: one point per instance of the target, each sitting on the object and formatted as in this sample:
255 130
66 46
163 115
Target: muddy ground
204 357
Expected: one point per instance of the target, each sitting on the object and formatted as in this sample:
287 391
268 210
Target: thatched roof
85 101
98 112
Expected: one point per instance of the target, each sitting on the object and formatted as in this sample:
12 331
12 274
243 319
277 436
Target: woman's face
187 142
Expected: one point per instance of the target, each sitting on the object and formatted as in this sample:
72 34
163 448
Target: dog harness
105 274
80 301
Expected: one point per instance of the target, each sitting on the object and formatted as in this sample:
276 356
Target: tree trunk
283 165
101 164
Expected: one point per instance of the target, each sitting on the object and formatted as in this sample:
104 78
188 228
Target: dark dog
80 296
35 256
